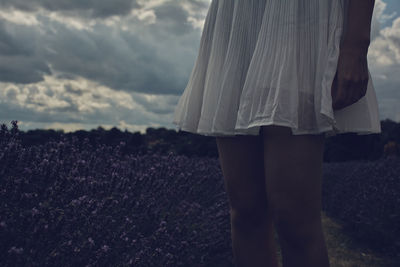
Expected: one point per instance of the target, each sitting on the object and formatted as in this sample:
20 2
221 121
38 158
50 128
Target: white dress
264 62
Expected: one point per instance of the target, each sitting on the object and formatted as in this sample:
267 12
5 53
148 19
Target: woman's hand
351 78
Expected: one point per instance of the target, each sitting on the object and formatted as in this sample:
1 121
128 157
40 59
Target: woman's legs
293 171
241 159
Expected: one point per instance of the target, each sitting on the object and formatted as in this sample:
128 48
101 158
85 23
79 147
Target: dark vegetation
102 200
343 147
365 198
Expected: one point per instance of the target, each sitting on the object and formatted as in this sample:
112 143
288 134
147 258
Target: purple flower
35 211
105 248
16 250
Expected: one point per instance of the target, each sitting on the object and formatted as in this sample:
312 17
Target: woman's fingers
360 92
351 79
359 84
336 99
341 93
347 93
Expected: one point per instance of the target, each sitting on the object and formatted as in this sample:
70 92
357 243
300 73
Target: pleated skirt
270 62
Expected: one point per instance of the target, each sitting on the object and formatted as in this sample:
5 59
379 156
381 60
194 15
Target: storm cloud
79 64
94 8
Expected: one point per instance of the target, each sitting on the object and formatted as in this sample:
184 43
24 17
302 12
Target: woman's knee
295 222
293 171
246 219
241 159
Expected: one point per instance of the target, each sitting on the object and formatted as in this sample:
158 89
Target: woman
271 81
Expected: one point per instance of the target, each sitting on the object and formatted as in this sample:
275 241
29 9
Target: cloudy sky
73 64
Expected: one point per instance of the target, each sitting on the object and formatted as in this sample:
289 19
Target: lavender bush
365 197
69 203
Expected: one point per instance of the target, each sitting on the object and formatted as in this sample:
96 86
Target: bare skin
241 159
351 78
274 180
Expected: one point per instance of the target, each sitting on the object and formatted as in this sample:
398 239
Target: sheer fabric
264 62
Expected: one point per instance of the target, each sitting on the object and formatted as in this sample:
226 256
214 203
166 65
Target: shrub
69 203
365 197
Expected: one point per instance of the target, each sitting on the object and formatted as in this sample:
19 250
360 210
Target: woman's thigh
293 171
241 160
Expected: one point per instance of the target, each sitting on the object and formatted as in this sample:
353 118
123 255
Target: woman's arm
351 79
358 29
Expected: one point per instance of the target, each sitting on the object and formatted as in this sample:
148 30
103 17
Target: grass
343 251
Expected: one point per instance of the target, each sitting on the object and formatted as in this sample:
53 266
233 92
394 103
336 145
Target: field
71 203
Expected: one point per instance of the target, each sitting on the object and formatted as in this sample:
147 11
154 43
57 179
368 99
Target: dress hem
329 131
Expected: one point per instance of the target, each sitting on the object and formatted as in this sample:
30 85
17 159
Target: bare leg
293 170
241 159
